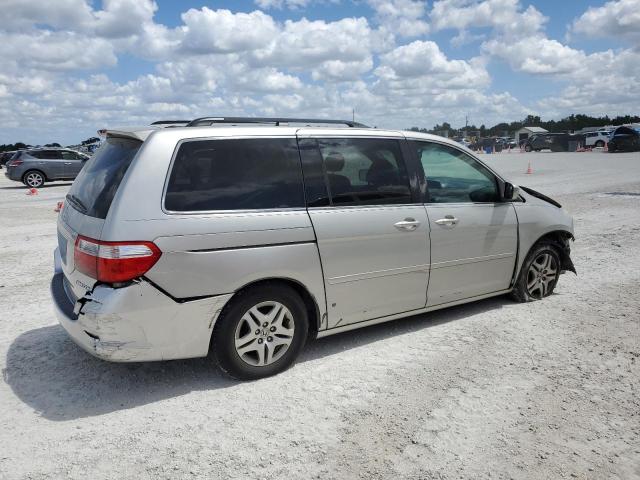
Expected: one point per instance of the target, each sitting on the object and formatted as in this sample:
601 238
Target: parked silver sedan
243 241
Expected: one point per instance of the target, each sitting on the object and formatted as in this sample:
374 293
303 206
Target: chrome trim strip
382 206
377 273
464 261
414 268
261 245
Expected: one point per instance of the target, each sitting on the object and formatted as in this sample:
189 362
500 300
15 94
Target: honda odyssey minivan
241 238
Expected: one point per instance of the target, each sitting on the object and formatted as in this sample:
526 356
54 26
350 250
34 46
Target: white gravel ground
491 389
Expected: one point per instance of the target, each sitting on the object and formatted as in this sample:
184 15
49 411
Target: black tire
223 339
531 271
33 178
527 148
599 144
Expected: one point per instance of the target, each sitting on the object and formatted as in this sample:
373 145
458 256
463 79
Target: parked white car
597 139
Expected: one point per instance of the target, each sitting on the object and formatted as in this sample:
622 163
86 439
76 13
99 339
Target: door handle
408 224
67 163
448 221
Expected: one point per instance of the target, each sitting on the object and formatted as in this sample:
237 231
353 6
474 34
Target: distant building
526 132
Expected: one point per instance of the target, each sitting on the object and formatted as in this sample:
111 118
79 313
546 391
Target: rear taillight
14 163
114 262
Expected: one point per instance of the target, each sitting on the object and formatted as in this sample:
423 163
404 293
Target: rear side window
46 154
238 174
93 190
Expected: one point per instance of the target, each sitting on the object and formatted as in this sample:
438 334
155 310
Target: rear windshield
93 190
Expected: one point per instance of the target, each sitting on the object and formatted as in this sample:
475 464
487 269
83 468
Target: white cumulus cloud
618 18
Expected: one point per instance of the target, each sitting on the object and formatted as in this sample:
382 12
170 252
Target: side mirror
511 192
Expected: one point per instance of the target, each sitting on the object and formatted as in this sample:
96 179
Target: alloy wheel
34 180
542 275
264 333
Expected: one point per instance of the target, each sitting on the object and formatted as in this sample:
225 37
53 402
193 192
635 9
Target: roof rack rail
171 122
208 121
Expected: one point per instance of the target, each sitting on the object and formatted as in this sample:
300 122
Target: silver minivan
243 238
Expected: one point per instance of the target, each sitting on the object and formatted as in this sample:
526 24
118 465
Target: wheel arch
559 238
44 175
311 304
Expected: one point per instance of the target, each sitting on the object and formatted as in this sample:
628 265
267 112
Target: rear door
50 162
88 201
474 235
72 163
371 229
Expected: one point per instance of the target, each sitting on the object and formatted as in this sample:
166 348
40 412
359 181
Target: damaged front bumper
137 322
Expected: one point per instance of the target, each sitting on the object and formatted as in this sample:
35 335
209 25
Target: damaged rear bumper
137 322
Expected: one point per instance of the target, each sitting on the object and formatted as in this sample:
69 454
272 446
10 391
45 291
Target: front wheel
261 332
539 274
599 144
527 148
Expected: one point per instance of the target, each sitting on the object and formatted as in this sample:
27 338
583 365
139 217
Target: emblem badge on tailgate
83 285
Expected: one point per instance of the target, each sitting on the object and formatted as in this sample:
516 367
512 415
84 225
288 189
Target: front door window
455 177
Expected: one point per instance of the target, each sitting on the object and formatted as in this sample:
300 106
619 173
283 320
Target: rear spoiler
141 133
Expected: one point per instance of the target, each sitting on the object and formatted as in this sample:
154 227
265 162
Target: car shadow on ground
46 185
52 375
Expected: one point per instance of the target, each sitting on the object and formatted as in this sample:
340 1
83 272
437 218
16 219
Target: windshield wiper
76 202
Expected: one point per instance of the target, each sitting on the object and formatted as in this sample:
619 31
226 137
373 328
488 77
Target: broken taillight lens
114 262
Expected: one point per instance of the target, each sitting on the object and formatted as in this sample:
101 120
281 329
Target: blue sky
72 66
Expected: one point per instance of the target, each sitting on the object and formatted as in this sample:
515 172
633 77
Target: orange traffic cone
32 191
529 169
606 147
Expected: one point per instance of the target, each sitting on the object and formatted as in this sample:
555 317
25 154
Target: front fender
538 220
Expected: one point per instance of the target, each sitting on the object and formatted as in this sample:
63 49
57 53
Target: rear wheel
33 179
599 143
261 332
539 274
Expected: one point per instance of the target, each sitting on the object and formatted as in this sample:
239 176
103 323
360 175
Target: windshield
93 190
